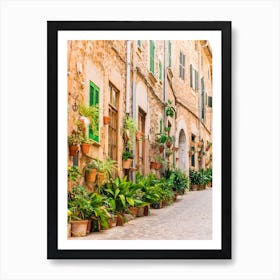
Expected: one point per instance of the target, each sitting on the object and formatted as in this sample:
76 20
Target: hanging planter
127 163
106 120
85 148
91 175
73 149
139 135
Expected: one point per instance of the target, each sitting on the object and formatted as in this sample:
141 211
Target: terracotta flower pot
101 178
139 135
194 187
68 230
120 220
161 149
152 165
91 175
106 120
85 148
140 211
158 166
73 149
133 210
79 228
146 210
89 226
127 163
168 144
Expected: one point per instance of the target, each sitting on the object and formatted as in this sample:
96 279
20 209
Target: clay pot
127 163
139 135
101 178
161 149
85 148
91 175
157 166
168 144
79 228
120 220
73 149
152 165
194 187
133 210
140 211
106 120
146 210
68 230
89 226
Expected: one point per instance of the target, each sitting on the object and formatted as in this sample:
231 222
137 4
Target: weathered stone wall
104 62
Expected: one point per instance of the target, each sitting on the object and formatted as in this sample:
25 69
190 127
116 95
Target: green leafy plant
107 166
169 109
79 203
73 173
129 130
162 138
196 178
75 138
126 155
92 113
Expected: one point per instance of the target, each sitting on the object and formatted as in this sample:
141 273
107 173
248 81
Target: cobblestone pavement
190 217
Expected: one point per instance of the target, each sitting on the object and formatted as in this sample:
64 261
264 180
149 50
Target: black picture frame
53 27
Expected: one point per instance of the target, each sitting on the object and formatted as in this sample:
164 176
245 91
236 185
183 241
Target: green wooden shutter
152 57
139 43
160 126
94 100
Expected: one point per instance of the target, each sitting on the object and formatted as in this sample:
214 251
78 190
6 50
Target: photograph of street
139 139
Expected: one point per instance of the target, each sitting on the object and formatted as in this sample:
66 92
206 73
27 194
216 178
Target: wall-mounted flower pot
91 175
101 178
79 228
139 135
153 165
168 144
157 166
73 149
161 149
106 120
127 163
85 148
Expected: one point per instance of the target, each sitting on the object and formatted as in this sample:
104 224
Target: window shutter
152 57
169 53
160 70
160 126
139 43
94 100
210 101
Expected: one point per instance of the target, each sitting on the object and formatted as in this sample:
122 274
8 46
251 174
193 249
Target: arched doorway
182 153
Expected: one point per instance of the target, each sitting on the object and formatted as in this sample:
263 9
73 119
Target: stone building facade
137 78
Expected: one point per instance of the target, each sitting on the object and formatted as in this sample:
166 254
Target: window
94 100
209 101
140 145
152 57
169 53
113 125
202 99
193 78
193 138
182 66
193 160
160 70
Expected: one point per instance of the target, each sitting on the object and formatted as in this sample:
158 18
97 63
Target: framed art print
139 140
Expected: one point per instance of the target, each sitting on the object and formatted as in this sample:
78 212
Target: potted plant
73 175
74 140
129 130
91 113
169 141
91 172
127 157
162 138
196 180
86 144
81 209
106 120
169 109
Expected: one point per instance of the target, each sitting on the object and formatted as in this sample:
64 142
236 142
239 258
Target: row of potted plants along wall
120 200
201 179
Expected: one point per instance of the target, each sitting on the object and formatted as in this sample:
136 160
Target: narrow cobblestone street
190 217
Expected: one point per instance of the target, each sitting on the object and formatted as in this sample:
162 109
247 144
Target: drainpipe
134 106
127 99
164 88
